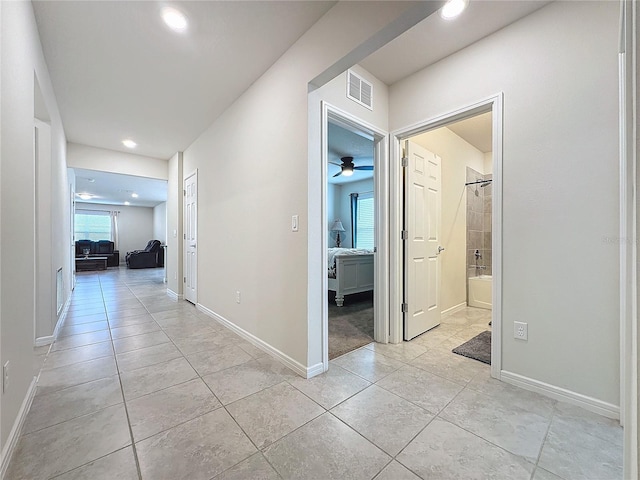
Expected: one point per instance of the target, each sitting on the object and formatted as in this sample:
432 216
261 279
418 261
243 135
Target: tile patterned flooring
138 386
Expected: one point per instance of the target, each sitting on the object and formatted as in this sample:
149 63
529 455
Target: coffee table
88 264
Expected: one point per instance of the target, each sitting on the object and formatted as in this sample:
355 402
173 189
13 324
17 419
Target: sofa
100 248
150 257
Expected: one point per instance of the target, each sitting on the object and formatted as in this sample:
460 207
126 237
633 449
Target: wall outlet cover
520 330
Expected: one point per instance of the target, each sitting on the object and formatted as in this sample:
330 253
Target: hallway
139 386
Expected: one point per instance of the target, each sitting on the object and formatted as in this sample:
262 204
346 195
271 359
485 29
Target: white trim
14 435
494 104
174 295
381 196
264 346
454 309
41 341
588 403
627 77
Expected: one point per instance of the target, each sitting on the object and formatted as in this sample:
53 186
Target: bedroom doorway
354 155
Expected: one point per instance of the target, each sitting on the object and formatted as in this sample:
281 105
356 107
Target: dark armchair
152 256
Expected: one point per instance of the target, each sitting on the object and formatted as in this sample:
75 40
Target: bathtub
480 291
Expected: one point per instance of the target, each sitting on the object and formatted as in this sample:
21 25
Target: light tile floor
138 386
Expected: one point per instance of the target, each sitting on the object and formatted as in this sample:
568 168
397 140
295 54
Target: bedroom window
362 219
92 225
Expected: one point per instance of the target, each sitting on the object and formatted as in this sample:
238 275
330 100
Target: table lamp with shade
337 227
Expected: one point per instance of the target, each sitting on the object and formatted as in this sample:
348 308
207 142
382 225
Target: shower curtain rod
479 181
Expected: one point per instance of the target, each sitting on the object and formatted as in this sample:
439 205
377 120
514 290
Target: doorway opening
450 254
355 293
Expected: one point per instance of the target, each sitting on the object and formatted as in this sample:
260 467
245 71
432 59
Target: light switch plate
294 223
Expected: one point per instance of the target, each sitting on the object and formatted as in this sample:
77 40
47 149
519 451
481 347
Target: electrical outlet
520 330
238 296
5 376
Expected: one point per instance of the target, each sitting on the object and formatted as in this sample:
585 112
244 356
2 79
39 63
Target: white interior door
190 238
422 248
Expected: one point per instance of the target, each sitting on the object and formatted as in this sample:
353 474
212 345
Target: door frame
381 201
184 230
491 104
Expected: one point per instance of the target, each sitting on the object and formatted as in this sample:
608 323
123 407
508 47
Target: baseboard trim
454 309
588 403
262 345
174 295
49 339
42 341
14 435
314 370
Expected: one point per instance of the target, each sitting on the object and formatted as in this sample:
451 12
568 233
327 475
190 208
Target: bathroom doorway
458 278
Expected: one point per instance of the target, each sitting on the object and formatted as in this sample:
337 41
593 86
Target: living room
116 212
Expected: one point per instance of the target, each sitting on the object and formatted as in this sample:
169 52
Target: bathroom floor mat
478 348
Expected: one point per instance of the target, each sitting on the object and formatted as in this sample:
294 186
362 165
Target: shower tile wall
478 223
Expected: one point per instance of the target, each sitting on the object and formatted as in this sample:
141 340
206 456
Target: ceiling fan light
347 171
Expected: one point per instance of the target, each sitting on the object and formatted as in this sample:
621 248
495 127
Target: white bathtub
480 291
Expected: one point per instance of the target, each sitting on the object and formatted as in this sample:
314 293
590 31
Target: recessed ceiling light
85 196
174 19
129 143
91 180
134 195
127 203
453 8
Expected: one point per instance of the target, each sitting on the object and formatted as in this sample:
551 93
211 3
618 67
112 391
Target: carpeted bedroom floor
350 326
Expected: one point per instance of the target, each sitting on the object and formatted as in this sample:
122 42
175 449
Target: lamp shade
337 226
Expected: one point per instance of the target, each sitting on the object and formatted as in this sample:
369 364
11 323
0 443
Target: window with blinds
365 222
92 225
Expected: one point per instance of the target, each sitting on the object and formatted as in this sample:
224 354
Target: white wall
488 163
160 222
456 156
135 225
21 57
342 208
558 71
93 158
257 186
174 252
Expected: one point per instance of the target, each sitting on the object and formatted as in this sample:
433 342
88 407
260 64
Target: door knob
440 249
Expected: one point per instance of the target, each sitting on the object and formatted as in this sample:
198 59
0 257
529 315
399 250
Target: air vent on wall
359 90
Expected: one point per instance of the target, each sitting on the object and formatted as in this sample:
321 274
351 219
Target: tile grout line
124 400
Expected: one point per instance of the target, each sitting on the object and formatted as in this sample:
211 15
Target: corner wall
21 57
173 260
558 70
249 190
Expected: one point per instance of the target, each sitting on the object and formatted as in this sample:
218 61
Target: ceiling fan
347 167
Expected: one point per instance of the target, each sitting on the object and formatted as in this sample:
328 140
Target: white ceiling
476 131
344 143
115 189
119 72
436 38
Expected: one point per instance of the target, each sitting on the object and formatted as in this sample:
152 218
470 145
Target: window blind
92 225
365 227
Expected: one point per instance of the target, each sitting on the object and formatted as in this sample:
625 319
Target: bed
350 271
